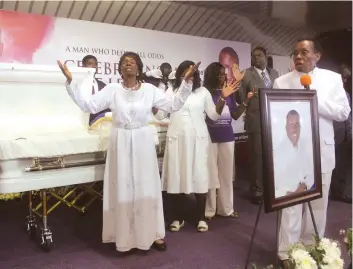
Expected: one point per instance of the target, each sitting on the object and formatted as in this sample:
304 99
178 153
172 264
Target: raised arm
90 103
214 111
78 92
240 95
242 107
336 106
171 103
176 101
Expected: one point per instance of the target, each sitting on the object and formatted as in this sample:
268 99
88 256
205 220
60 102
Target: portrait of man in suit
257 76
90 61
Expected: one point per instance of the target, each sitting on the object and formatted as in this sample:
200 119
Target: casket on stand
45 141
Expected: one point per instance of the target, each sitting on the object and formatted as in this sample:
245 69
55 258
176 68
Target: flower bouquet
300 258
348 240
324 254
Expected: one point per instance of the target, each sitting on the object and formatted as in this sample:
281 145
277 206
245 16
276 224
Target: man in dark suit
91 61
341 183
256 77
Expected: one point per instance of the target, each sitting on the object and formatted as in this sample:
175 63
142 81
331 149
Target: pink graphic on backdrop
22 34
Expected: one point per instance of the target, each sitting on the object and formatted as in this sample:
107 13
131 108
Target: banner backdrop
29 38
282 64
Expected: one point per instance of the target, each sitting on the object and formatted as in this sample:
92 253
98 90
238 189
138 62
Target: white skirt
132 201
185 168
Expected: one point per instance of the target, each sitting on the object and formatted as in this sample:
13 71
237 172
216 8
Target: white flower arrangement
324 254
300 259
330 257
347 239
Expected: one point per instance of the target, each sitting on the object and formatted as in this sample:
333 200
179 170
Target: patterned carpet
78 244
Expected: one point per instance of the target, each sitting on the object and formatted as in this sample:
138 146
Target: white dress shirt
259 71
292 166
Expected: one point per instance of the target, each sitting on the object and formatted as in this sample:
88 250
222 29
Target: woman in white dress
132 202
185 160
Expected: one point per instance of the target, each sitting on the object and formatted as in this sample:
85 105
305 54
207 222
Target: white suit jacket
332 106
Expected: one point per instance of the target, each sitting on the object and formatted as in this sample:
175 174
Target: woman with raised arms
132 202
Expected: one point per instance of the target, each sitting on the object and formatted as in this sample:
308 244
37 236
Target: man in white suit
333 105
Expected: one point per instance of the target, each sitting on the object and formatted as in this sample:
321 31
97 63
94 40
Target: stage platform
78 240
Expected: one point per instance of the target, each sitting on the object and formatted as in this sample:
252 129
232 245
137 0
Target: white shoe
202 226
176 226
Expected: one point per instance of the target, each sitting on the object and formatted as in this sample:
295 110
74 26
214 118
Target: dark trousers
341 183
177 202
255 164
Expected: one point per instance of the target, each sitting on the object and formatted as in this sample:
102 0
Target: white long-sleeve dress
185 167
132 201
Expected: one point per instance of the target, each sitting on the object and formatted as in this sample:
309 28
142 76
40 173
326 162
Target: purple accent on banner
240 137
97 118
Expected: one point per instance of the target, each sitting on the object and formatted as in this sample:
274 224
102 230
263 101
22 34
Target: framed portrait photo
291 147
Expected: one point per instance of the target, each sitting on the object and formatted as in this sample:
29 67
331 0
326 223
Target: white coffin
40 120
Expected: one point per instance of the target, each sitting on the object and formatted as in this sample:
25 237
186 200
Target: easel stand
278 224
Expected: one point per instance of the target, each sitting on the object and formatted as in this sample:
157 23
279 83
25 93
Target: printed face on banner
36 39
293 160
227 57
30 38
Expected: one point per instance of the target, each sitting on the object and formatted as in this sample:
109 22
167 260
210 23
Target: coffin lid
34 100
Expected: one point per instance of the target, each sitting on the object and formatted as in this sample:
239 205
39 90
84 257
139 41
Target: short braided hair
138 60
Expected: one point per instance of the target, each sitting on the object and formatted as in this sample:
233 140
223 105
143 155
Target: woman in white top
221 154
132 202
185 160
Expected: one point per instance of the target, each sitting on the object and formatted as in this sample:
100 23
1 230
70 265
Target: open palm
191 71
65 71
237 74
230 88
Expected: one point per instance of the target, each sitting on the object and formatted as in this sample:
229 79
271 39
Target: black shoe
160 246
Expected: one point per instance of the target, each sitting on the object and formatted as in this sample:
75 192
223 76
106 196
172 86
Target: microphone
305 80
